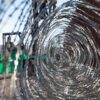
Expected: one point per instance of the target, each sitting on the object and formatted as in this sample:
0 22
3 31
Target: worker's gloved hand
10 59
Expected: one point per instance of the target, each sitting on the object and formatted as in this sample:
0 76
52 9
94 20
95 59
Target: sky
10 23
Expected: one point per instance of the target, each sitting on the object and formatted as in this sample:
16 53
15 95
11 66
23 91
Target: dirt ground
6 86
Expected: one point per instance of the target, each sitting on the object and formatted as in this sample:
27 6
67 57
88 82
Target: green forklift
8 55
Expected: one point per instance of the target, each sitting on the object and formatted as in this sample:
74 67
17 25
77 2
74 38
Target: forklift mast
5 35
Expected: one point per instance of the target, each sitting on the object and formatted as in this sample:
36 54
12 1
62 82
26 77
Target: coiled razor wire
69 41
66 51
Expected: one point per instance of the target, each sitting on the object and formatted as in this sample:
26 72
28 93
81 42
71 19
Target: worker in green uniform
11 50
